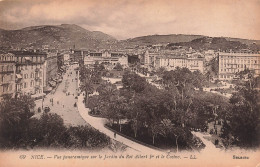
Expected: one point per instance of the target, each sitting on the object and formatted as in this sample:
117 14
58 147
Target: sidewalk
98 123
209 146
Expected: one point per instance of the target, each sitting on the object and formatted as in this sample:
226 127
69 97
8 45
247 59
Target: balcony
18 77
37 78
37 69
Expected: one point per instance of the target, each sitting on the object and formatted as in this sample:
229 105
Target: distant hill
174 38
62 37
216 43
65 36
155 39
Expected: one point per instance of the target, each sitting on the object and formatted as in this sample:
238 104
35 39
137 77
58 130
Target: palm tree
87 86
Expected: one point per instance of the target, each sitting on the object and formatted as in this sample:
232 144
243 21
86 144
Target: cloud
126 19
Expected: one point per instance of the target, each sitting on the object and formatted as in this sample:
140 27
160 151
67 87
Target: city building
30 72
106 57
66 58
60 62
149 58
231 63
171 62
51 72
7 74
76 56
209 55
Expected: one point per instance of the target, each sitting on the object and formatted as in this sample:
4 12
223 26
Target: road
63 105
209 146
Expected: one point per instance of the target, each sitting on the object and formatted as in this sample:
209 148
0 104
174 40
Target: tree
169 129
244 117
48 130
182 83
118 67
118 107
160 71
88 87
133 82
136 116
106 91
15 114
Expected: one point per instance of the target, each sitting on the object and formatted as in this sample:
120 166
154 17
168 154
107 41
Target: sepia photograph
130 83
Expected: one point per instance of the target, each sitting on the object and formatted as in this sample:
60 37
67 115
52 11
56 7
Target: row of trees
169 112
18 129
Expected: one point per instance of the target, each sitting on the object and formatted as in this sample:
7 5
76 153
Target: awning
19 76
38 95
52 83
47 89
27 58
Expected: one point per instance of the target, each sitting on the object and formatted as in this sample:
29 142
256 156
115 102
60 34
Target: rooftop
26 53
237 54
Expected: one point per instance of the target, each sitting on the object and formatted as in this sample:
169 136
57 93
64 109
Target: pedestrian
216 141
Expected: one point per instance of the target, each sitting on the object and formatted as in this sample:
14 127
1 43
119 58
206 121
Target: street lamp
42 101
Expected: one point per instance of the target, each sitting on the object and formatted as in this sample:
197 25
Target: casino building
106 57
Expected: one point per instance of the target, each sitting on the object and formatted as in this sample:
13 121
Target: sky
124 19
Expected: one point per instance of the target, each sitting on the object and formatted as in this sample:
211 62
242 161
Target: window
32 83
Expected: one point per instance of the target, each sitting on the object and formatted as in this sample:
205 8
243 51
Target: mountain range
62 37
66 36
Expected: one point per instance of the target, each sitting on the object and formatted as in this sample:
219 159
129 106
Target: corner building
231 63
7 74
30 73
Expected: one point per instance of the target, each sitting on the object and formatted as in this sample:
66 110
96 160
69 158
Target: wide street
63 104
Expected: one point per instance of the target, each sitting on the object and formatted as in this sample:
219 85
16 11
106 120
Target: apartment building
30 72
231 63
7 74
171 62
51 72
